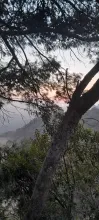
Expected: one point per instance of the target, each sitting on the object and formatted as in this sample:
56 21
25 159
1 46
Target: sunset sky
19 117
75 61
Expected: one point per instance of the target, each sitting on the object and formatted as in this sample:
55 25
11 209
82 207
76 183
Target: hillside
26 132
90 119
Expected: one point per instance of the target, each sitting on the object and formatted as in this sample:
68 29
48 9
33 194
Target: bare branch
39 52
67 85
76 55
22 49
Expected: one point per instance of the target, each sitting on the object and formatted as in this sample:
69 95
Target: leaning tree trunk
78 106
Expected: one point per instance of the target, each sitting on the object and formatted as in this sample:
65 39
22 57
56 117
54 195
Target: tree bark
58 147
78 106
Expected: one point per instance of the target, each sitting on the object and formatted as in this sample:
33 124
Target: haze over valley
20 125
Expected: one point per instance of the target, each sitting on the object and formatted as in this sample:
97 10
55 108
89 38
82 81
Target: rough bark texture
78 106
56 151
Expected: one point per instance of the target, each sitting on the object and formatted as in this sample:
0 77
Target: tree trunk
57 150
79 105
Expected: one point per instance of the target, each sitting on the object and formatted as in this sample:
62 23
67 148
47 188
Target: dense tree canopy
74 192
35 24
50 20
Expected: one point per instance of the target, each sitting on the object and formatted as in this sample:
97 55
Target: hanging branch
13 54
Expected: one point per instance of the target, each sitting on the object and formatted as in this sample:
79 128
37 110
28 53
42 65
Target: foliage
76 183
49 21
74 193
36 26
20 168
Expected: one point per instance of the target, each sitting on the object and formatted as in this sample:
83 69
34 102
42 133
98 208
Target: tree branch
79 90
43 30
39 52
89 98
13 54
14 100
67 84
22 49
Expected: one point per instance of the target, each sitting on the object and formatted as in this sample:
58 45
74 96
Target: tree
19 168
54 23
79 104
78 192
74 192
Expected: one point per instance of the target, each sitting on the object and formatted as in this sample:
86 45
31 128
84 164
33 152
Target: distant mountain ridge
90 119
26 132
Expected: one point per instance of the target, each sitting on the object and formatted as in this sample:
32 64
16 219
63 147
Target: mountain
90 120
26 132
15 115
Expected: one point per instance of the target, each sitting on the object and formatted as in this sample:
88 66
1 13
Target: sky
15 116
76 62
